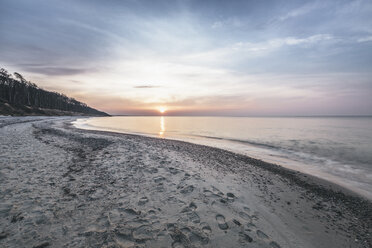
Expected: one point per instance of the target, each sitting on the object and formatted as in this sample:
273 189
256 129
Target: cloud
238 50
229 22
365 39
298 11
280 42
54 71
145 86
309 40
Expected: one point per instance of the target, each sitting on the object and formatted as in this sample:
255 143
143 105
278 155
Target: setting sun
162 109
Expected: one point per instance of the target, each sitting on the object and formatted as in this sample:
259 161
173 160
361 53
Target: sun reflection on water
162 126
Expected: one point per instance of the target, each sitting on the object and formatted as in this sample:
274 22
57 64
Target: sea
337 149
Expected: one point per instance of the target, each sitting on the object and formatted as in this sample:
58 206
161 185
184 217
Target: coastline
299 177
208 197
254 151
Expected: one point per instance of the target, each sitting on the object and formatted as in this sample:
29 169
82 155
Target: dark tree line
19 91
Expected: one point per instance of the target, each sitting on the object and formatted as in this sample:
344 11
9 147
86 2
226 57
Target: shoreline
80 187
319 178
301 178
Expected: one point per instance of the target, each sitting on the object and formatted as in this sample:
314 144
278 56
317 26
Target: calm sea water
338 149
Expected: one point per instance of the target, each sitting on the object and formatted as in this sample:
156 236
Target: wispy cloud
228 22
236 51
146 86
305 9
280 42
53 71
365 39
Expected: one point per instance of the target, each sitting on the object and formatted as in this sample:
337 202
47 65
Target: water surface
338 149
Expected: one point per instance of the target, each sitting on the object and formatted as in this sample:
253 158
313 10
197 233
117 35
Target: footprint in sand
221 222
206 229
250 227
186 230
158 179
273 244
143 233
230 197
247 209
151 212
210 194
217 191
187 189
236 222
245 216
177 245
124 240
261 234
172 170
143 200
197 237
193 217
130 211
244 238
153 170
192 206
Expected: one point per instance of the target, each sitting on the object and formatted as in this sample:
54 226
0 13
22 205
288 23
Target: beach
66 187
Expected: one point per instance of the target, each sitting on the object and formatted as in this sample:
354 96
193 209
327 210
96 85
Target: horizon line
262 116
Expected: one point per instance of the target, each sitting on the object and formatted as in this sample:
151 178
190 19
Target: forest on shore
19 96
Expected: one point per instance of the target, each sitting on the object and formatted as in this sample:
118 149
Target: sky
235 58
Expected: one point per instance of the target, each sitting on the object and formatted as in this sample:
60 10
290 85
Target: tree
20 92
19 76
4 73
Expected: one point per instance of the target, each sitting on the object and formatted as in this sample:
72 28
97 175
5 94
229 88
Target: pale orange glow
162 126
162 109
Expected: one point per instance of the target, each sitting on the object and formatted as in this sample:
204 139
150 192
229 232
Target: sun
162 109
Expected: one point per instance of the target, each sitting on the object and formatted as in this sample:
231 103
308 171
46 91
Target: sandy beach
65 187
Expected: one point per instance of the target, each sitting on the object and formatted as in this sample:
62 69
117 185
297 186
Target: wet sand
65 187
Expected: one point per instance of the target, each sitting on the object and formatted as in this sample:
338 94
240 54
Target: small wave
254 143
